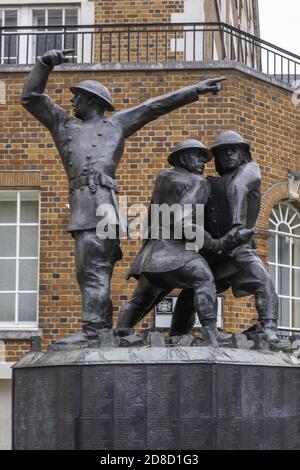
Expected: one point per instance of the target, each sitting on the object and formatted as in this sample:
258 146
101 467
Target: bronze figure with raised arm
91 146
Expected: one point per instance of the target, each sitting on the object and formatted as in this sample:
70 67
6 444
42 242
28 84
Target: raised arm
33 97
136 118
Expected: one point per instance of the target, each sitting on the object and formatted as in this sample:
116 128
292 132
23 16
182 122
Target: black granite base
180 398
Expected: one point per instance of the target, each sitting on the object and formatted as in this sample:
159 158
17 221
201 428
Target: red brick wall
136 11
263 113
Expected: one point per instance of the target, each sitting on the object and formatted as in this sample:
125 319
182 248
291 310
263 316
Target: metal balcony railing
149 42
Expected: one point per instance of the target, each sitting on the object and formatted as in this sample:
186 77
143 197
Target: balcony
149 43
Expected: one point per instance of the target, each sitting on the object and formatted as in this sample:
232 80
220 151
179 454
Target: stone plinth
157 398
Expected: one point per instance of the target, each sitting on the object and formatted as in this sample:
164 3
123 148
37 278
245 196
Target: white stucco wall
193 13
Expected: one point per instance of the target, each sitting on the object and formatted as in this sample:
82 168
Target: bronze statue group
91 146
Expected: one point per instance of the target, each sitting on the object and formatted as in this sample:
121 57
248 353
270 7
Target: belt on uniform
92 180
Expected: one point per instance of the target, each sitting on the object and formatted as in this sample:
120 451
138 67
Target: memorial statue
234 203
91 147
164 264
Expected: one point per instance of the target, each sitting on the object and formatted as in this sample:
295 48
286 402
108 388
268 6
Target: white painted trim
86 17
19 327
193 12
26 3
87 12
87 8
193 42
6 370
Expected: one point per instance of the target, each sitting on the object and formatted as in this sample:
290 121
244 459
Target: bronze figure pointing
91 147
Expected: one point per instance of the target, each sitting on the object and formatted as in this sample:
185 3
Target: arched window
284 262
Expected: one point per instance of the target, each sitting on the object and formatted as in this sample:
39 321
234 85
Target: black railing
149 42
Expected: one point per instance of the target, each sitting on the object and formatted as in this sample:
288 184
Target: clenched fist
56 57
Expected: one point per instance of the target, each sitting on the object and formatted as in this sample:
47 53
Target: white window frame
16 325
31 54
86 17
192 42
2 57
275 222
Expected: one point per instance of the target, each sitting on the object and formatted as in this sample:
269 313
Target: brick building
38 291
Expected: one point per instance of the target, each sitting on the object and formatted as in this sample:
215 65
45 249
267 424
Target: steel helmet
189 144
225 139
229 138
94 88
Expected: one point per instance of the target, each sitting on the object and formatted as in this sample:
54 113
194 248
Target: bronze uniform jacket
174 186
234 201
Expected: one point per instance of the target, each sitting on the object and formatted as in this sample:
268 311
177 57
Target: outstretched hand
56 57
212 85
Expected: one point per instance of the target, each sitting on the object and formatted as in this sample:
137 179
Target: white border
87 7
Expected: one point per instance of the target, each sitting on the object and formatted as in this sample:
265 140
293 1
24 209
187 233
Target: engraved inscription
252 431
157 406
274 396
195 407
163 405
228 433
130 408
252 393
96 431
43 408
228 391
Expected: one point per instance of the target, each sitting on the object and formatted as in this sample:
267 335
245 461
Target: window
63 36
284 262
30 29
19 259
9 43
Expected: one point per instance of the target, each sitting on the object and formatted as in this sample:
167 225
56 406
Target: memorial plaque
129 419
292 432
273 433
49 405
96 403
153 406
228 384
227 433
163 404
195 407
252 431
292 392
252 393
274 395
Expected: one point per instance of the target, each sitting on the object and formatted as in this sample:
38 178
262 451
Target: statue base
157 398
